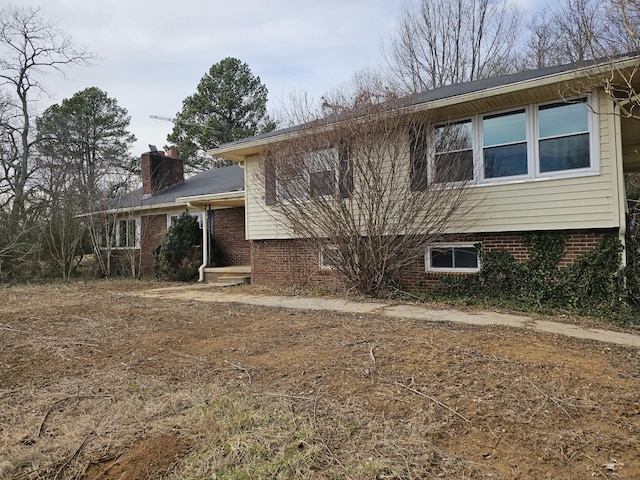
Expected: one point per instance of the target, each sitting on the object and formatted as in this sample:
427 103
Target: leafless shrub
370 185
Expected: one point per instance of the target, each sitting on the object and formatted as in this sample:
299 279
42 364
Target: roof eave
239 151
225 199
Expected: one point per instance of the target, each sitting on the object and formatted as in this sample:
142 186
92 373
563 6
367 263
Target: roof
209 182
437 97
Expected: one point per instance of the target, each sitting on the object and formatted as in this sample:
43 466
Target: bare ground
98 384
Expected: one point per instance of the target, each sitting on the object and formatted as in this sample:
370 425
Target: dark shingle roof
447 91
216 180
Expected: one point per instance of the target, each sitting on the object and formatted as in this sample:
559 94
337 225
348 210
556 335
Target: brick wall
229 232
288 262
153 228
159 172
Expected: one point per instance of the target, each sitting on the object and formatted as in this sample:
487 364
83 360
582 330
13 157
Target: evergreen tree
230 104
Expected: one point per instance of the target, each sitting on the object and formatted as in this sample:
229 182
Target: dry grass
97 384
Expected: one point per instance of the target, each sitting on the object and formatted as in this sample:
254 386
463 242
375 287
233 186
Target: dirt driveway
96 383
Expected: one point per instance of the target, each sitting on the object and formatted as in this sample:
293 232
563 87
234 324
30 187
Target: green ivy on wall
594 284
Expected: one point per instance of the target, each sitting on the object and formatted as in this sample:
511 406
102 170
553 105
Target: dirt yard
98 384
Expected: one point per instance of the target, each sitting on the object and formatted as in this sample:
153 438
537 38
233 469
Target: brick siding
159 172
290 263
229 233
153 228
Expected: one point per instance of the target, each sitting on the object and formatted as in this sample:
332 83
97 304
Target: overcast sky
152 53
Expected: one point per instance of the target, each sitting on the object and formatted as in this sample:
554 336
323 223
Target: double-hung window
123 233
127 234
322 173
540 141
173 218
563 137
309 175
453 160
504 144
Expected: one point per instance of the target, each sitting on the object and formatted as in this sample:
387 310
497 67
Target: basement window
329 257
453 258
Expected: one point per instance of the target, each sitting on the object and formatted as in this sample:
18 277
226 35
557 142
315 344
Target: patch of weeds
251 439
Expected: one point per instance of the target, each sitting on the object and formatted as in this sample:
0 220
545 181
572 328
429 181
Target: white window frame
117 241
171 217
427 257
594 144
532 139
479 144
322 263
433 153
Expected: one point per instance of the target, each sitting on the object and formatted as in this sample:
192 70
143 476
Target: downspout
205 242
622 193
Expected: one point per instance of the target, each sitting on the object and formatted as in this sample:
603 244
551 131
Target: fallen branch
62 400
282 395
434 400
241 368
77 451
553 399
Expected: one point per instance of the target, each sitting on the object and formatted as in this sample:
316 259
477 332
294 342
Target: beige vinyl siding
543 204
261 221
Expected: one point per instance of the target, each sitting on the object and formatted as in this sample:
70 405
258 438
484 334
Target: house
560 154
142 217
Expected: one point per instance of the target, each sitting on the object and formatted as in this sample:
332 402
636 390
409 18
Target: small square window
329 257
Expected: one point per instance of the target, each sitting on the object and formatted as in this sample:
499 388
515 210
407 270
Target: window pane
321 184
329 257
465 257
507 128
505 161
419 157
442 258
556 120
566 153
103 232
131 233
293 188
122 234
453 137
453 167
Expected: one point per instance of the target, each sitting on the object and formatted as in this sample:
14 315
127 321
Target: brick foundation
229 232
288 263
291 263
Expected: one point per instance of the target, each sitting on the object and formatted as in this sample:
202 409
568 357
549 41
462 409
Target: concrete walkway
209 293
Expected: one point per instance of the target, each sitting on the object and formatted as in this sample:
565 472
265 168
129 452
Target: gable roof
214 181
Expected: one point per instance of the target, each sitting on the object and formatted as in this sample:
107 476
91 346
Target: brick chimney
160 171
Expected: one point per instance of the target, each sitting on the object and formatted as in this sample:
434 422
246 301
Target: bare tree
442 42
573 31
370 186
630 13
606 36
29 45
